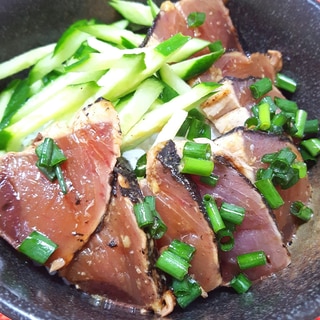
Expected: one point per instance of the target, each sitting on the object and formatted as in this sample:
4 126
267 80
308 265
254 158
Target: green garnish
196 19
50 158
37 247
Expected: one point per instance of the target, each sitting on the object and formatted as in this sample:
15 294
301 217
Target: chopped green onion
37 247
199 167
312 146
196 19
286 105
182 249
240 283
144 215
301 211
284 159
261 87
270 193
158 228
270 102
186 291
141 165
50 157
173 264
269 157
251 259
61 180
311 126
197 150
184 127
232 213
198 129
279 119
213 213
287 179
300 121
301 167
252 122
46 153
264 174
225 239
284 82
211 180
264 116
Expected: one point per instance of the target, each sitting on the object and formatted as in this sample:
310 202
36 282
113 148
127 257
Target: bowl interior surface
291 26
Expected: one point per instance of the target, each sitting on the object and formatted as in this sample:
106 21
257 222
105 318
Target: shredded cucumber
91 60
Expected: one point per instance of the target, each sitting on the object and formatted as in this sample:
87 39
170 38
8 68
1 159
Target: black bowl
291 26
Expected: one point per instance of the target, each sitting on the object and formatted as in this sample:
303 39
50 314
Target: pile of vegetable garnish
141 165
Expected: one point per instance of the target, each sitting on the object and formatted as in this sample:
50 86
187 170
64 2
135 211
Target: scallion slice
286 105
50 157
211 180
173 264
301 167
284 82
300 210
141 165
213 213
300 122
198 167
197 150
270 193
182 249
261 87
225 239
232 213
252 259
311 126
196 19
312 146
37 247
264 116
144 215
198 129
240 283
186 291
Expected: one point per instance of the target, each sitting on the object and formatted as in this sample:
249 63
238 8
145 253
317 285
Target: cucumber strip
67 45
153 121
120 24
190 68
133 110
5 97
170 129
94 62
134 12
190 48
52 89
24 60
122 79
154 8
102 46
112 34
67 101
19 96
173 80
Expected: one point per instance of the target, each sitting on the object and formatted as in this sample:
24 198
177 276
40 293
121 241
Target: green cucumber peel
112 34
24 60
190 68
61 106
133 109
53 88
135 12
153 121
